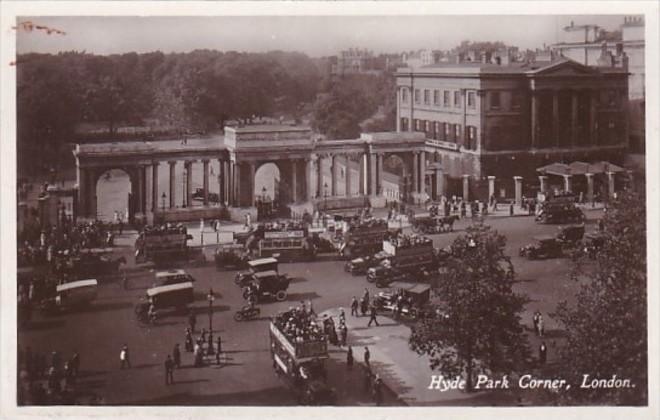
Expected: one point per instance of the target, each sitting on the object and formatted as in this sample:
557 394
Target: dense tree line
182 92
194 91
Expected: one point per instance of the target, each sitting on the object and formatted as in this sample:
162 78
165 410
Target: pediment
564 68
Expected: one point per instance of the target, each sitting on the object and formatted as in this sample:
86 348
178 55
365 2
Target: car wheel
370 280
281 296
238 317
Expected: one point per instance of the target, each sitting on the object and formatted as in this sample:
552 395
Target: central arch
395 179
113 190
268 190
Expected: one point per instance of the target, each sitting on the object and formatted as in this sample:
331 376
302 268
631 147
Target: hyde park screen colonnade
474 130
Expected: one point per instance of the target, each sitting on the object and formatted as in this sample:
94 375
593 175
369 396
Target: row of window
444 131
449 98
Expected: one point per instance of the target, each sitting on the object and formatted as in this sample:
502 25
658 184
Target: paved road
245 376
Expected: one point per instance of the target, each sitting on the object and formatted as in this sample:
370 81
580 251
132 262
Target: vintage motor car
231 256
243 278
178 296
358 266
175 276
544 247
570 235
592 243
560 213
75 294
268 284
414 299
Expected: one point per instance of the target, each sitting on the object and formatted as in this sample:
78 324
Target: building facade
483 120
587 44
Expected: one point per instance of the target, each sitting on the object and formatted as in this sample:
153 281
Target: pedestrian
377 390
342 316
354 306
189 340
372 317
169 370
349 358
542 353
197 354
343 334
192 321
535 320
511 209
176 354
367 357
540 325
75 364
218 350
124 358
202 338
365 296
311 308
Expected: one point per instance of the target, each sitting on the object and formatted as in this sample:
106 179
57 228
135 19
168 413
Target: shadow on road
303 296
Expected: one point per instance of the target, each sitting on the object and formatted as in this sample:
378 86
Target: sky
314 35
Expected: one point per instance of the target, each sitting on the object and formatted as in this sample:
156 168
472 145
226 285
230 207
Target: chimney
624 61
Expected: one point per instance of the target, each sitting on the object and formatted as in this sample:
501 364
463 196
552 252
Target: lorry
162 246
301 363
411 258
363 238
75 294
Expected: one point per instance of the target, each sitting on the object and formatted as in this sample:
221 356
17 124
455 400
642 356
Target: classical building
486 120
592 46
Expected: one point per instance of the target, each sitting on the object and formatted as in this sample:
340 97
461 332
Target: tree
606 327
481 330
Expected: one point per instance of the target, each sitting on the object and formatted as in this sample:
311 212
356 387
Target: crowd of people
403 241
47 380
299 325
164 229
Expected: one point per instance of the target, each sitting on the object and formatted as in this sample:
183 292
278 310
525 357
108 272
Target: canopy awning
579 168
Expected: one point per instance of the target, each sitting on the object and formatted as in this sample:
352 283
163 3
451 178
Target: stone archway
135 198
395 180
268 189
113 191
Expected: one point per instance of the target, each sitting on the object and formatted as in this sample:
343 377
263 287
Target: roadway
245 376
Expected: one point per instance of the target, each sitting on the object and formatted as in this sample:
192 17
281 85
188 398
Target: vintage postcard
329 209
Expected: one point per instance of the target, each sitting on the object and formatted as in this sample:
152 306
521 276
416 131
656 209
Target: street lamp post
210 298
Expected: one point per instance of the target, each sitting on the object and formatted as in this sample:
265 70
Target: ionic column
143 192
348 176
253 170
222 176
373 175
466 187
309 185
205 181
574 117
491 187
189 183
294 180
379 174
518 189
542 183
439 184
83 199
610 184
362 167
590 187
154 186
236 187
91 191
415 184
319 177
567 183
422 170
555 117
333 175
172 183
593 115
535 119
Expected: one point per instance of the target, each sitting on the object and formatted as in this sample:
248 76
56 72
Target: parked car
544 247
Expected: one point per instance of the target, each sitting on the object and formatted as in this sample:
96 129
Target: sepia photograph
370 208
